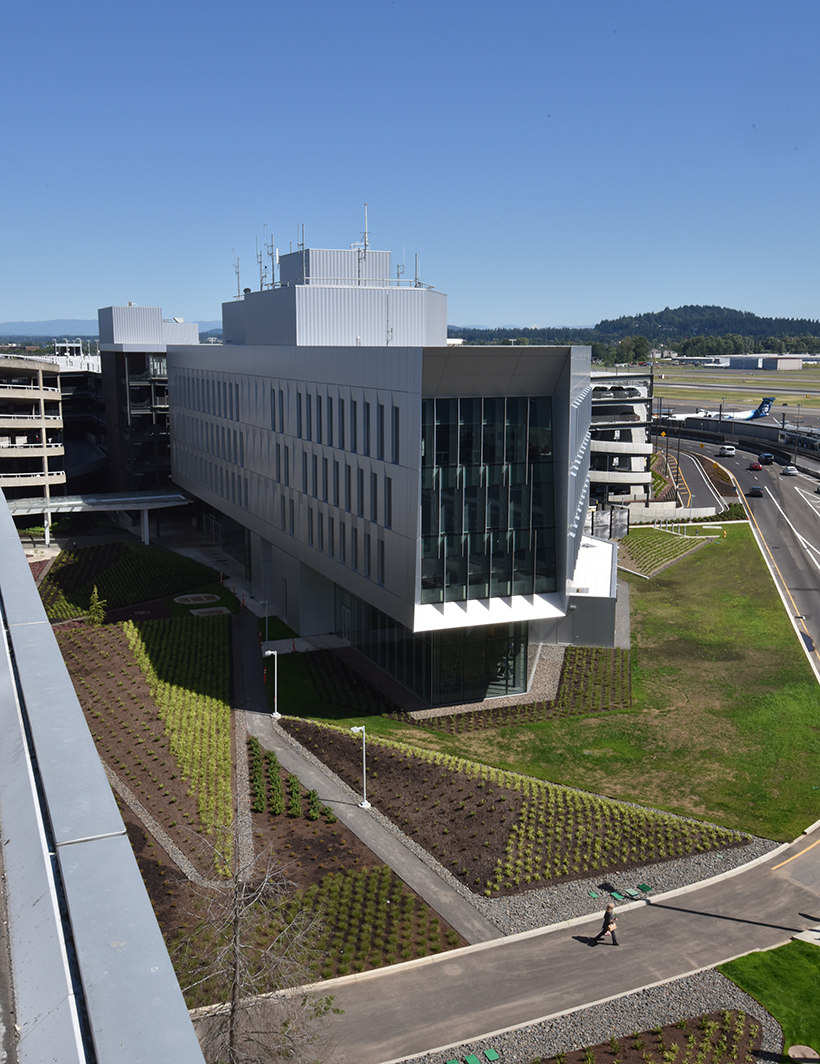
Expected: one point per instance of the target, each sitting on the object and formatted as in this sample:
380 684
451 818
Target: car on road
755 465
755 492
789 471
766 459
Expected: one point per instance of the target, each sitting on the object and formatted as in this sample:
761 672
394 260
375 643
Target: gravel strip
240 730
694 995
564 901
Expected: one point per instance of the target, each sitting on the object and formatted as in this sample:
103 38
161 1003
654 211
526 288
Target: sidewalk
458 912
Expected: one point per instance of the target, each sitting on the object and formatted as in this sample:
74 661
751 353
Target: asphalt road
787 522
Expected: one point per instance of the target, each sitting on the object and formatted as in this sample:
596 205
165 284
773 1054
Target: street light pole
276 715
797 433
364 804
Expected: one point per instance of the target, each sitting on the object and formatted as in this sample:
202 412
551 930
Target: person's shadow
586 940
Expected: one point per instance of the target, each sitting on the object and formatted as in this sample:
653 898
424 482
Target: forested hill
667 327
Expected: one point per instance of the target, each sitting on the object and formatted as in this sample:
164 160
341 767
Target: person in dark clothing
609 926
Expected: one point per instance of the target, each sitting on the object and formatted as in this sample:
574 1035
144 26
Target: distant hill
662 327
56 328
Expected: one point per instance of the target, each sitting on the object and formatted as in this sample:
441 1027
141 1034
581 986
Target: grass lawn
222 591
725 723
785 982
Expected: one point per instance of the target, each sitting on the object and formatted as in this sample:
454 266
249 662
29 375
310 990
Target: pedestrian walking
609 926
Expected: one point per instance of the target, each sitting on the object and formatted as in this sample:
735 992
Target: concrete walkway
479 991
458 912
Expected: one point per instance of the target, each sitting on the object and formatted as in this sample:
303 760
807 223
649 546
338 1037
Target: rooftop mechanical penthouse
425 502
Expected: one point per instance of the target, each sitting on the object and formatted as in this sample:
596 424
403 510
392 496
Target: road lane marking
794 856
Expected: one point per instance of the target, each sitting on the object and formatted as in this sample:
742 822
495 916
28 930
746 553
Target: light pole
276 715
364 804
797 433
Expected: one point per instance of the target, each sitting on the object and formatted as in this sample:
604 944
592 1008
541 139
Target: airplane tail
763 409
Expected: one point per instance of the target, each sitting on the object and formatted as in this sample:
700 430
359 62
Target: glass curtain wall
487 501
443 668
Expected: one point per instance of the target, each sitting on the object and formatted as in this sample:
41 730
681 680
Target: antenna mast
271 255
262 269
236 271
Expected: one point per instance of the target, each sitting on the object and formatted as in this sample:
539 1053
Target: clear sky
551 163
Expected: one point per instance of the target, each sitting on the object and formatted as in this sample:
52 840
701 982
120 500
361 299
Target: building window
287 466
388 502
283 512
324 479
380 432
330 532
292 522
299 414
246 492
310 526
360 492
281 410
380 561
366 429
279 463
236 401
367 555
335 483
341 424
396 448
374 496
348 477
318 419
320 529
304 472
342 543
242 449
308 417
354 548
354 426
330 421
273 410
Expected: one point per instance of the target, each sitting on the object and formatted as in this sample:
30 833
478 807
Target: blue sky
551 163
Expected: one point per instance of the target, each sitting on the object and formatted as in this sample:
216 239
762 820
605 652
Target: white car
789 471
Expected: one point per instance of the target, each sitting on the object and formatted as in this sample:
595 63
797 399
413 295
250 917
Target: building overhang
439 616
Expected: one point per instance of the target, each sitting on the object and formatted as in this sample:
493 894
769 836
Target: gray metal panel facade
130 325
335 267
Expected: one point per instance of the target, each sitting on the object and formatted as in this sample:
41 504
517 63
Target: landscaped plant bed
499 832
593 680
728 1037
648 550
123 573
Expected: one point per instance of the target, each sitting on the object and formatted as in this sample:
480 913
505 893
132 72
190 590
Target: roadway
786 521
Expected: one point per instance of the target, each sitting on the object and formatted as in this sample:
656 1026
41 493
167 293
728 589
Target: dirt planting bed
500 833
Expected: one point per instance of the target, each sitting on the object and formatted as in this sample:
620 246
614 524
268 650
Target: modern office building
135 392
424 501
619 469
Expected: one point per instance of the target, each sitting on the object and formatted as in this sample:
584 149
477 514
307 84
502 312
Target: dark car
755 465
766 459
755 492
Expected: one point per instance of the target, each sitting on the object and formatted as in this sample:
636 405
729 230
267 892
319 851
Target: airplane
738 415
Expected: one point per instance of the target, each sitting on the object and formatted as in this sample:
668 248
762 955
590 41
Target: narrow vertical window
320 531
388 502
304 472
342 543
273 410
281 410
242 449
330 420
342 424
292 522
374 496
299 414
324 479
335 483
310 526
318 419
380 562
348 492
367 555
354 548
315 476
283 513
354 426
396 448
366 429
236 402
309 416
279 463
360 492
330 537
287 466
380 432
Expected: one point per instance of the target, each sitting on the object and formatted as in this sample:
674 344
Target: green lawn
785 982
725 722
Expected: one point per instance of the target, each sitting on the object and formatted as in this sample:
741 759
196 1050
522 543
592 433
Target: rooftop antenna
236 271
272 255
400 268
417 282
366 234
262 269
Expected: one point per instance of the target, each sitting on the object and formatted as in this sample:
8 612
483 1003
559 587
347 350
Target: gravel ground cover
644 1011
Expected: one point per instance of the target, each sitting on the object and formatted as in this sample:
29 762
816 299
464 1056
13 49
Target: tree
96 608
251 946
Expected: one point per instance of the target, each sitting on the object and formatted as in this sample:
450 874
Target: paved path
471 993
